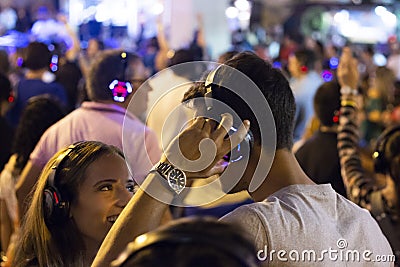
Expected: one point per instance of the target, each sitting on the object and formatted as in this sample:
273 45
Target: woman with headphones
384 204
79 195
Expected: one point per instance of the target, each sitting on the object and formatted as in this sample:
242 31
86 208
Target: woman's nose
123 197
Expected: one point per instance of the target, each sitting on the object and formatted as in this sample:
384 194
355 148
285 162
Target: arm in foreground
143 212
358 185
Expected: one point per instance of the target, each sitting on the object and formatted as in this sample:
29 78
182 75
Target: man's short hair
306 58
36 56
107 67
275 88
327 102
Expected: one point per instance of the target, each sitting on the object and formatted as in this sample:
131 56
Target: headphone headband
57 164
56 206
119 87
212 80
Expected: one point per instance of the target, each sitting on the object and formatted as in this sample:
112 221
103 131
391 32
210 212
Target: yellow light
123 55
141 239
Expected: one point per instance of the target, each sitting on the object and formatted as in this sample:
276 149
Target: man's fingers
198 123
346 54
223 128
354 63
236 138
345 59
208 125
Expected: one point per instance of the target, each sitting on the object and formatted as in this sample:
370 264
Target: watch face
177 180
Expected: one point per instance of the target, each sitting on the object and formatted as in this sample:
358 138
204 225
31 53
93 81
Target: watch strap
175 177
163 168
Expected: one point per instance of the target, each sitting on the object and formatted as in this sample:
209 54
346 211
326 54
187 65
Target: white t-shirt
311 225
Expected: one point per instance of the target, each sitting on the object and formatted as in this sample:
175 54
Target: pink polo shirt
95 121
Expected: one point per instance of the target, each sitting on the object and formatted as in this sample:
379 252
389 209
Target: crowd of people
93 163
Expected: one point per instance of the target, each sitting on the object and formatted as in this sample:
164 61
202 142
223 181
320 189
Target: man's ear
395 170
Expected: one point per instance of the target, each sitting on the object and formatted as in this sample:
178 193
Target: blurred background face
93 48
294 66
101 197
140 88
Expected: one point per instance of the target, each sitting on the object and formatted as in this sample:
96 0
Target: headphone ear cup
380 163
56 209
120 90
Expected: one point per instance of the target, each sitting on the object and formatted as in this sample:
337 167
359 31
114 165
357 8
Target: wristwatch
347 90
176 178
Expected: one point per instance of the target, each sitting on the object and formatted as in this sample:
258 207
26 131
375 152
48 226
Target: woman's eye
106 188
132 188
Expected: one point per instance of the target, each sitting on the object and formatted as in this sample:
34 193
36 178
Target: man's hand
347 72
199 148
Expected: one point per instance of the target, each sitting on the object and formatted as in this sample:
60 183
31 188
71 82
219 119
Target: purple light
327 76
19 61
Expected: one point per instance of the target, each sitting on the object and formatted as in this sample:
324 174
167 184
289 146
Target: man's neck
122 105
328 129
35 74
285 171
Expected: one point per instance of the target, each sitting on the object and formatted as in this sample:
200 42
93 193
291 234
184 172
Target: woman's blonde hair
60 244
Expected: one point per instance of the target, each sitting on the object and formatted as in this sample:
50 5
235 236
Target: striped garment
360 188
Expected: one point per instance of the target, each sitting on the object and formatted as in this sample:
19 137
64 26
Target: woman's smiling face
106 190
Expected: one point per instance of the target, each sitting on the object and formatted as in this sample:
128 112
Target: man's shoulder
252 212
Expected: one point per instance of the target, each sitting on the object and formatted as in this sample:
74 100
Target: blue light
53 67
333 63
277 65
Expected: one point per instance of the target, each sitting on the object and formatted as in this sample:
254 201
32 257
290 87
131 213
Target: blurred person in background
304 83
39 114
322 165
95 46
4 63
8 17
102 119
383 203
36 60
378 104
393 62
7 131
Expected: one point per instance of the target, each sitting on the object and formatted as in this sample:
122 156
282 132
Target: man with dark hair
323 166
101 119
292 216
36 60
304 82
